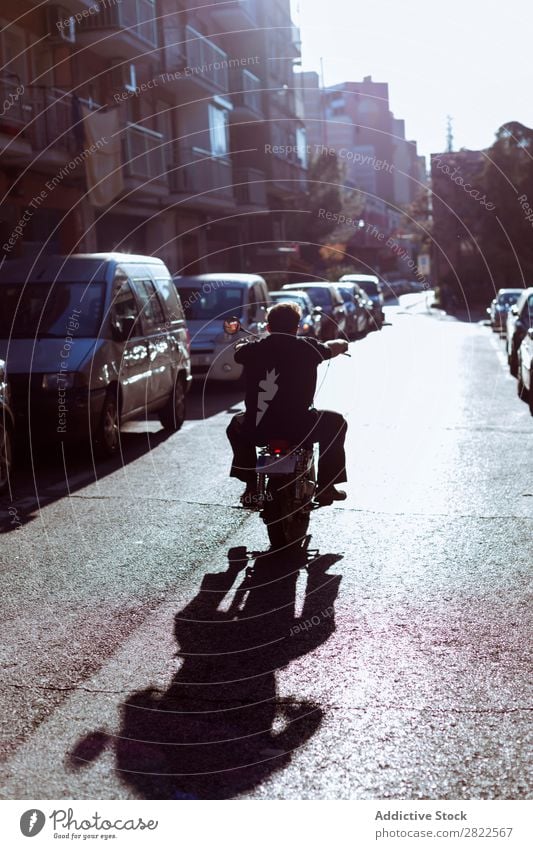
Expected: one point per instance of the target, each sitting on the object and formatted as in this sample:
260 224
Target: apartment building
142 125
354 120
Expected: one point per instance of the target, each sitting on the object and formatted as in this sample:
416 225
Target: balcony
207 64
144 169
235 14
203 180
250 188
295 40
15 147
123 29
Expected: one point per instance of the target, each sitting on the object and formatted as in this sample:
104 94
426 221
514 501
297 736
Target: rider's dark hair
284 317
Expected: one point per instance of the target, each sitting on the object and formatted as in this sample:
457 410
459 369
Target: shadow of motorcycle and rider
221 728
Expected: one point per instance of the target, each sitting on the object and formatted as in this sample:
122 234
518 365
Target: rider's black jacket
280 373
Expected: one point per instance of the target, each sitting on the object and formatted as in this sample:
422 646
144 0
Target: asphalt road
151 648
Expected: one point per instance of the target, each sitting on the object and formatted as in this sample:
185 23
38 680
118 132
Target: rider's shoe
329 494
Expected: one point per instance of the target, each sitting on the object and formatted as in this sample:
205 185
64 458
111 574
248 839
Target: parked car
357 322
525 369
371 285
209 299
311 316
500 306
92 341
519 320
327 296
369 307
7 428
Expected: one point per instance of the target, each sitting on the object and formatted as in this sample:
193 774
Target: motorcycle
286 481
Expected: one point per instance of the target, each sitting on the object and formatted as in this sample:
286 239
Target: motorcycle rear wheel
285 525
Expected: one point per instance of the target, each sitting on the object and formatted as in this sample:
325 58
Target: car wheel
108 431
6 456
172 415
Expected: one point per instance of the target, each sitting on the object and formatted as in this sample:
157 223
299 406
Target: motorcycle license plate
269 464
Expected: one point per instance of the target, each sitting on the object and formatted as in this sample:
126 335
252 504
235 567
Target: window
152 310
257 301
166 287
215 304
251 85
218 131
124 305
44 309
301 145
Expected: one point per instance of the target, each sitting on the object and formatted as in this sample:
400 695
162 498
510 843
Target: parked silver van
208 299
90 341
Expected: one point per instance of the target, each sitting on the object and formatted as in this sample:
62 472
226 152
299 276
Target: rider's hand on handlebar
337 346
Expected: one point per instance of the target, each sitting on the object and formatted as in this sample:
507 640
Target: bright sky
471 59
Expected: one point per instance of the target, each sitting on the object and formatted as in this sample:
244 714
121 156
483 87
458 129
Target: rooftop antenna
449 134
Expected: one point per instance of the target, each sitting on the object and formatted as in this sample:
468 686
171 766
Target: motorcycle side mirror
232 326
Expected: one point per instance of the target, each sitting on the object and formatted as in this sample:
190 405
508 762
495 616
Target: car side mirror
488 310
530 332
317 310
123 328
514 310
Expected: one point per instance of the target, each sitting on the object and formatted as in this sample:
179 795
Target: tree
323 202
507 235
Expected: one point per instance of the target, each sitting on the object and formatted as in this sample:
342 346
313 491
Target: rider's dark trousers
324 427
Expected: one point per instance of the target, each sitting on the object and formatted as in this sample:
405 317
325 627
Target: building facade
147 126
354 120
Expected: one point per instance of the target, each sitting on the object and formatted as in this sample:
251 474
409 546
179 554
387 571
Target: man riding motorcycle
280 373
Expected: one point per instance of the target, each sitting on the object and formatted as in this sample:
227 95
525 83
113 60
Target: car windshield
51 310
320 297
508 298
346 293
279 299
369 286
202 305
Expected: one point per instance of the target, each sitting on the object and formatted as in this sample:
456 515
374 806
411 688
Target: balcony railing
144 154
137 16
201 172
55 120
205 60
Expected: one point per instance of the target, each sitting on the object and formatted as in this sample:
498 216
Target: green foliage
507 235
323 193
